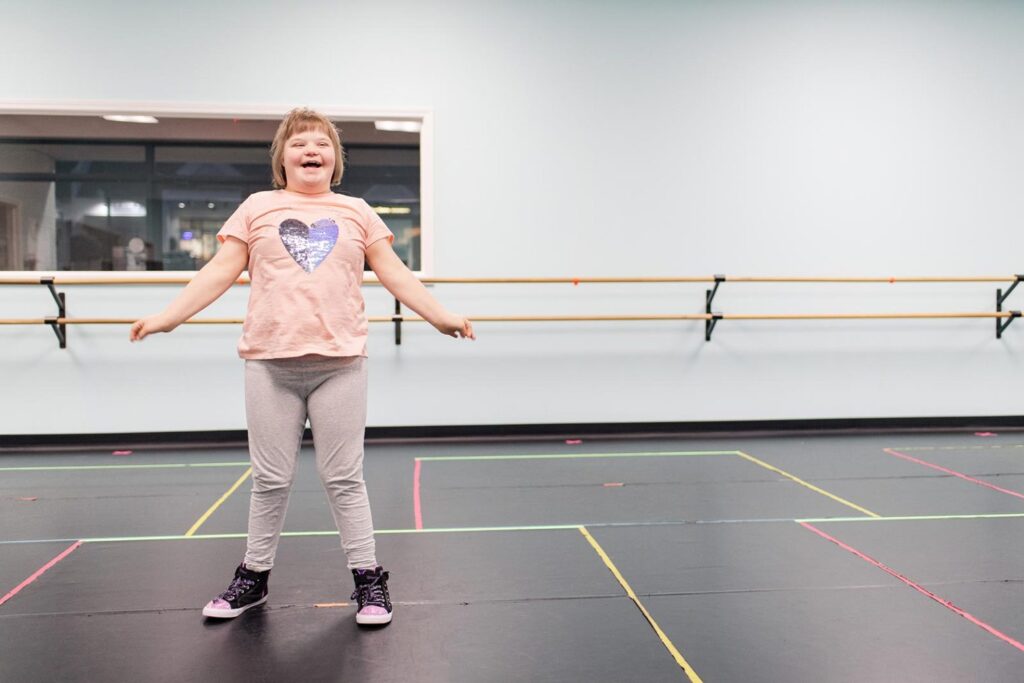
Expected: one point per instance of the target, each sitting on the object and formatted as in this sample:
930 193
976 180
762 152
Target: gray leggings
279 395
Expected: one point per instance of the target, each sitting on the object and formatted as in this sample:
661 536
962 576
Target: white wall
593 139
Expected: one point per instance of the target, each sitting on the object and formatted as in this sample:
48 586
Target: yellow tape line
680 660
213 508
804 483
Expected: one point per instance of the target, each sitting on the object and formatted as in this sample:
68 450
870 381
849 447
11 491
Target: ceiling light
392 210
399 126
121 118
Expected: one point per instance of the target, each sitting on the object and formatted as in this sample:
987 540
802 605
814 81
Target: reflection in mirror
80 193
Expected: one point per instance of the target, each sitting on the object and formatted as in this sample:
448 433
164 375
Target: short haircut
299 120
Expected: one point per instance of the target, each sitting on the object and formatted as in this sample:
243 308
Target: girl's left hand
456 326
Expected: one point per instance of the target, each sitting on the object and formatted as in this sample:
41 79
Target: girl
304 345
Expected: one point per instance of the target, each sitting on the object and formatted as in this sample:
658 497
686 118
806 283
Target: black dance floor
890 557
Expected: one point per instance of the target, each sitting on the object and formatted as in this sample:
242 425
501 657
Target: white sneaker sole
373 619
218 613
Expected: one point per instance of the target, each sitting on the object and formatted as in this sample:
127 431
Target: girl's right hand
147 326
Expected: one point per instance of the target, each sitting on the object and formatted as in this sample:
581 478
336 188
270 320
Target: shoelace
239 585
373 593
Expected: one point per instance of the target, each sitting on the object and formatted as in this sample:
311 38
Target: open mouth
311 164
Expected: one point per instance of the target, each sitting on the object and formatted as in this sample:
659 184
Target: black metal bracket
397 319
1001 325
59 329
709 296
709 325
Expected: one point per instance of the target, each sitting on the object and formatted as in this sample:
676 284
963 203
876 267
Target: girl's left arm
400 281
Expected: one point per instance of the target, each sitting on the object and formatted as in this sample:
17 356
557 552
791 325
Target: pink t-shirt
306 256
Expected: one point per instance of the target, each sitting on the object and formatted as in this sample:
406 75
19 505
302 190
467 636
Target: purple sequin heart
309 245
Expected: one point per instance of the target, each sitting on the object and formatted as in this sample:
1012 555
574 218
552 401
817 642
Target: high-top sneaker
371 596
247 589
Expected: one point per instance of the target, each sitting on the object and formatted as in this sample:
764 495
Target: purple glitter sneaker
247 589
371 596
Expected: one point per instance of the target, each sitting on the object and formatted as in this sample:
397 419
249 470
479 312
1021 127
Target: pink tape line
40 571
963 476
417 510
918 587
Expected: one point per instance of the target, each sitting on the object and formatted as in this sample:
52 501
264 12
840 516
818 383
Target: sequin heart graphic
309 245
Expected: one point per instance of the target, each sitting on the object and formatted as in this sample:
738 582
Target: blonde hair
299 120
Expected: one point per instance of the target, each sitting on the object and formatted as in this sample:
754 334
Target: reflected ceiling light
393 210
117 210
121 118
399 126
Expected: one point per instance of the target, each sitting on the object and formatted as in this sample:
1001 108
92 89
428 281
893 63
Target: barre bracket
1001 325
709 296
397 319
709 325
59 329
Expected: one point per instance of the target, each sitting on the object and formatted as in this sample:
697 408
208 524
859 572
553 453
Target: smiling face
308 159
299 145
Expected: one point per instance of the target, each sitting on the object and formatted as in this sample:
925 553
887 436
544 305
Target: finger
467 330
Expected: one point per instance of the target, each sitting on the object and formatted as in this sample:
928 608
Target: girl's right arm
209 283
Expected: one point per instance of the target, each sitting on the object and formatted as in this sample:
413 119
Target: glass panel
105 226
71 159
102 206
192 216
389 180
28 225
220 163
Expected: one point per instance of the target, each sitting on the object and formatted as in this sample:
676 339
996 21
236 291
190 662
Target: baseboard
603 430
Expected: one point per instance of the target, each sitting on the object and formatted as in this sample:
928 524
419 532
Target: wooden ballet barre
76 281
1002 319
563 318
244 280
855 280
863 316
372 319
711 318
113 321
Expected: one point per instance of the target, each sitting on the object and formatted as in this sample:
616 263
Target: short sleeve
237 225
374 228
